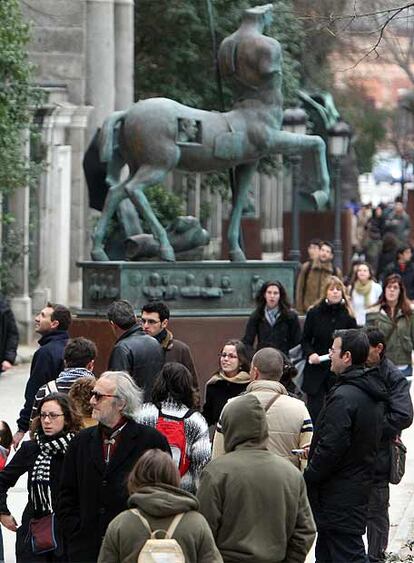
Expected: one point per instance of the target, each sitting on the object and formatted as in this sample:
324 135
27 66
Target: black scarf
40 490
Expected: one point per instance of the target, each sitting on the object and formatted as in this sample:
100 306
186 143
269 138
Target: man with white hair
97 464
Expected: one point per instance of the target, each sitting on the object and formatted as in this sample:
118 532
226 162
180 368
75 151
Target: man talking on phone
343 451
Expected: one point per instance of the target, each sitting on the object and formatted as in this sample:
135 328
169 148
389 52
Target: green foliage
368 123
17 98
166 205
174 56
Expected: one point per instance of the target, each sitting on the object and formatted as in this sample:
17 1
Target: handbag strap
171 528
271 402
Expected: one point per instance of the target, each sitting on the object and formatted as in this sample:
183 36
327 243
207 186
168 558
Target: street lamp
294 121
338 143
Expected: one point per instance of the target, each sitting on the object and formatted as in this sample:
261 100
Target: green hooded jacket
254 501
159 504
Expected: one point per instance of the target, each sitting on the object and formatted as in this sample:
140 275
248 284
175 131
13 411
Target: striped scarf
40 482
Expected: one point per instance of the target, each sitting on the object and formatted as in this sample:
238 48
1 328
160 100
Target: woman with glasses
393 314
42 458
230 380
273 323
173 412
332 312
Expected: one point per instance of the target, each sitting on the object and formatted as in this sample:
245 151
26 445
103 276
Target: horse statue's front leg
243 177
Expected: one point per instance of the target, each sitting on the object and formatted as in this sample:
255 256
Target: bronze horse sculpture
158 135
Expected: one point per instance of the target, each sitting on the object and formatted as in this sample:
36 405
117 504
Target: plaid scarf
40 482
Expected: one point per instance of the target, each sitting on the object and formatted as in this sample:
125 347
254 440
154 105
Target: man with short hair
155 317
290 424
343 451
79 360
134 352
98 462
398 222
398 416
52 324
312 277
254 501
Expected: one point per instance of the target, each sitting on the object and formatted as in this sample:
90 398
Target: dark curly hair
284 303
403 303
73 422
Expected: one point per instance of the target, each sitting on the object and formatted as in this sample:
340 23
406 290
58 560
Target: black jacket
320 323
217 394
21 463
284 334
9 335
140 355
46 365
93 493
343 451
398 415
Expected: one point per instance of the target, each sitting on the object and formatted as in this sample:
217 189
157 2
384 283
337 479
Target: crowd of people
253 467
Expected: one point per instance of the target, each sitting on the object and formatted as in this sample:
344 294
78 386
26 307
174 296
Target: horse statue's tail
108 141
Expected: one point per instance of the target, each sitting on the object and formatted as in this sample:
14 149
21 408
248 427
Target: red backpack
173 429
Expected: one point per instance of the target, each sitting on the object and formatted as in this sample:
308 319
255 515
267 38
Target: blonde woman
332 312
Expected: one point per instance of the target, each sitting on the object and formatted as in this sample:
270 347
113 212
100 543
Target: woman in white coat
364 292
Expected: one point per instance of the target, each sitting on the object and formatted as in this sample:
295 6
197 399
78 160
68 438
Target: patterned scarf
271 315
40 490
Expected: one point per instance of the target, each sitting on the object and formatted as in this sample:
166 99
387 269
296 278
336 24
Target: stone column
19 206
100 61
79 207
124 53
54 206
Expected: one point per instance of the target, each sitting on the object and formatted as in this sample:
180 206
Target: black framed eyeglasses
50 415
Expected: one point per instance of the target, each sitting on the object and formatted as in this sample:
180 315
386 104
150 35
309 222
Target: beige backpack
160 550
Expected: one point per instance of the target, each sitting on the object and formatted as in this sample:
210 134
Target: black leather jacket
140 355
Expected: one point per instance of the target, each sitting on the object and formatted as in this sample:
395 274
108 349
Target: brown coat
311 281
178 351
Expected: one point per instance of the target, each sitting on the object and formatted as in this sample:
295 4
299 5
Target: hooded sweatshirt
254 501
343 451
159 504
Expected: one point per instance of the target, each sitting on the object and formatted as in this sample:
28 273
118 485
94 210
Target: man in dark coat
134 352
343 451
9 336
155 317
52 324
398 416
98 462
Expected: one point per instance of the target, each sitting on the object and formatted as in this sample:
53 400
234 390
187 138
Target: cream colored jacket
290 425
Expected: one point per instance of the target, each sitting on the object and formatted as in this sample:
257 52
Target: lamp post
294 121
338 143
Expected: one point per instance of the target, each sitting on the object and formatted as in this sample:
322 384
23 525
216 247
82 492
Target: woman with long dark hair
393 314
273 323
173 412
332 312
42 458
231 379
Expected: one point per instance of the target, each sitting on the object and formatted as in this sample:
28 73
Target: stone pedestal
211 288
